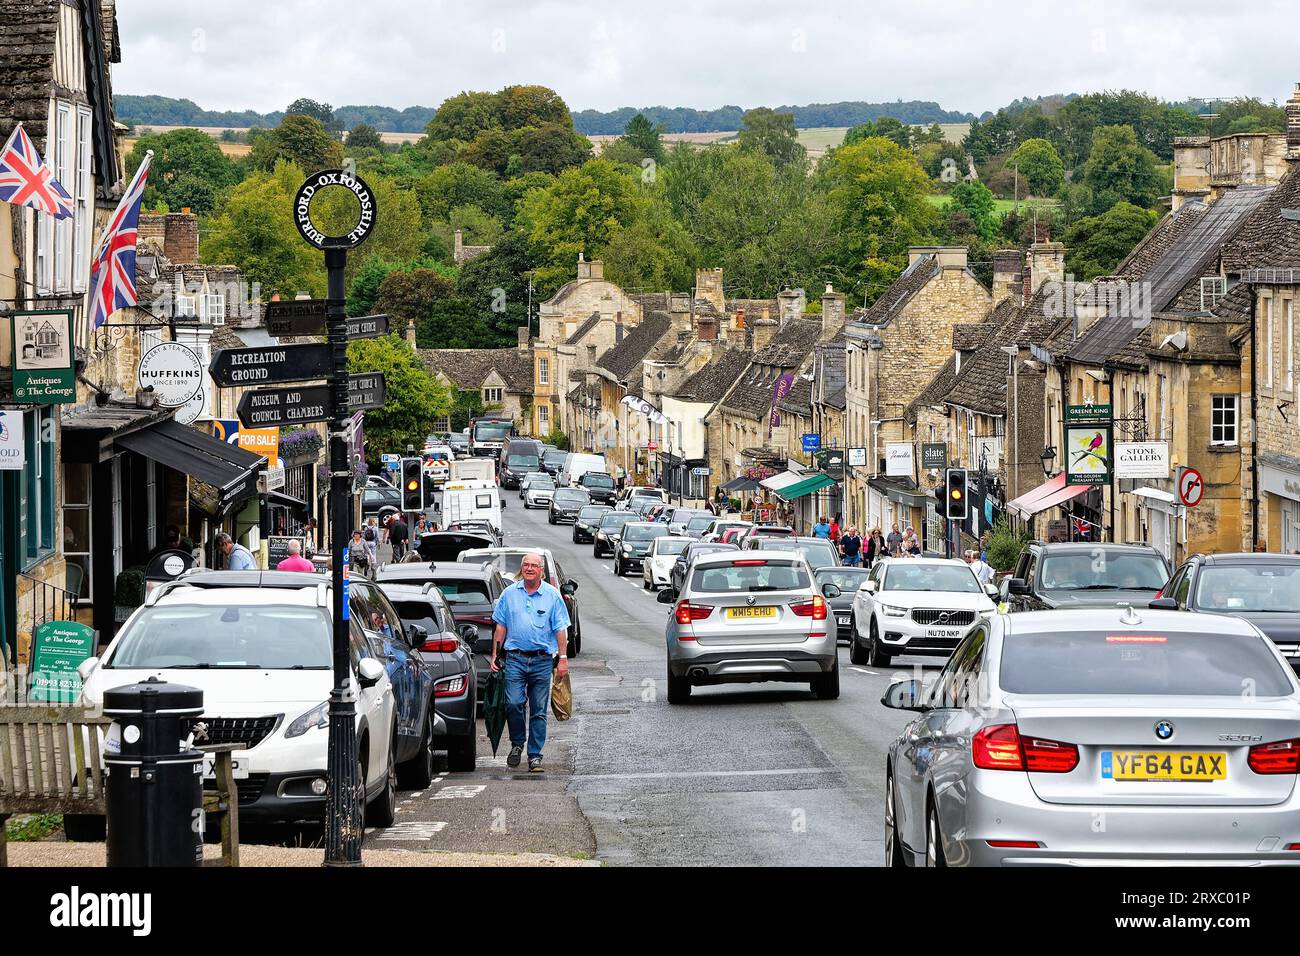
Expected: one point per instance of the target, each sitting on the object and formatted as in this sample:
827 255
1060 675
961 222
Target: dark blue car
394 645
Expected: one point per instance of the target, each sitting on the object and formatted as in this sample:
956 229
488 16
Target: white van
461 503
577 465
474 469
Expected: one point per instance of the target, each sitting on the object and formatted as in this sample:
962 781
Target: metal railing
49 602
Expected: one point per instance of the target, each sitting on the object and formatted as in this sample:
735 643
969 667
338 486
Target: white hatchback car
259 646
657 569
916 606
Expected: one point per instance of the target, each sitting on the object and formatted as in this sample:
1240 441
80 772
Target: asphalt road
760 774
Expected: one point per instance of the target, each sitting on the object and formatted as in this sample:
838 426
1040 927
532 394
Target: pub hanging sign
42 357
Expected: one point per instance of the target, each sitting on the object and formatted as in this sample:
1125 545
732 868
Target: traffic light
412 485
430 489
956 502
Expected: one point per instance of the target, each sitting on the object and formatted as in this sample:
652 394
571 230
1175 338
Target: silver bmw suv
746 617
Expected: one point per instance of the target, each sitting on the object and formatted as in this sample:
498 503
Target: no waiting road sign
1191 487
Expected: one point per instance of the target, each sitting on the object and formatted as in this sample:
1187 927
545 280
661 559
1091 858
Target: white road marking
467 792
863 670
677 774
412 831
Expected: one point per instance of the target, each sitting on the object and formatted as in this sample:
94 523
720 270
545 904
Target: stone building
893 351
502 379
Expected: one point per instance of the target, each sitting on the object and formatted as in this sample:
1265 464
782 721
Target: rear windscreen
597 480
748 576
671 545
1226 665
641 533
464 591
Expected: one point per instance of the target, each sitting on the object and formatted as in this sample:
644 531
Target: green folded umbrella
494 707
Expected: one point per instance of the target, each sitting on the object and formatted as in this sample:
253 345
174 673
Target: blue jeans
853 560
528 684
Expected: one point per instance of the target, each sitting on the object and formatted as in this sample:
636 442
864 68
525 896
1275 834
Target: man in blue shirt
238 557
532 627
822 529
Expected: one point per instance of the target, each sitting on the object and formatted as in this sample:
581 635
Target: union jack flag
26 181
112 275
1082 529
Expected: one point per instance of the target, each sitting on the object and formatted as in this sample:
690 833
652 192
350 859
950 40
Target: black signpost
346 792
296 317
271 365
276 407
367 327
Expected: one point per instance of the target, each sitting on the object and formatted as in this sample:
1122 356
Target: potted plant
128 593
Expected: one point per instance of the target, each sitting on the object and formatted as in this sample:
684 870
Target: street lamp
1048 456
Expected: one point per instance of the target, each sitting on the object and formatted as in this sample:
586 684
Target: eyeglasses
532 565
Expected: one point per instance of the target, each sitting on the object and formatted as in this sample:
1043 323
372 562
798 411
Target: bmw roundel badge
1164 730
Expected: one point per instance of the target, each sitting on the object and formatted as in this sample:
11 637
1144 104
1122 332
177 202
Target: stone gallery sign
1141 459
42 357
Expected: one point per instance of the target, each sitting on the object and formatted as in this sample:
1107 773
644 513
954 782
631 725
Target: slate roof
752 395
469 368
588 324
651 301
799 399
896 297
981 385
754 308
711 382
831 373
971 335
1268 241
623 361
1190 255
1171 227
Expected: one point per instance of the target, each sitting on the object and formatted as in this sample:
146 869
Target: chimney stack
1293 124
1046 262
832 313
765 330
584 267
790 304
524 339
1007 267
708 286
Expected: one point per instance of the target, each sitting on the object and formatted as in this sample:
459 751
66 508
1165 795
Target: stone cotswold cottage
893 351
501 378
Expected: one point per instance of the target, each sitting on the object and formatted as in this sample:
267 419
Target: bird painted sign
1088 460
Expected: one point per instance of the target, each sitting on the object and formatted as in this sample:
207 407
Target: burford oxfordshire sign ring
321 180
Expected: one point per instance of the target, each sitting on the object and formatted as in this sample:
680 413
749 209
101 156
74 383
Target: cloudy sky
602 54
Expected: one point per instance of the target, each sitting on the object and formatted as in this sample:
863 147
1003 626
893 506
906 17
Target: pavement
61 854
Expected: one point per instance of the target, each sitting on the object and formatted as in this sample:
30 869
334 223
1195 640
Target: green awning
806 486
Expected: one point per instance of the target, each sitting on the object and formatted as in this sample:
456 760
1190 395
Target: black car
1262 588
380 502
515 467
588 520
611 526
1077 575
848 580
566 503
600 486
447 545
634 544
683 563
553 461
446 653
471 591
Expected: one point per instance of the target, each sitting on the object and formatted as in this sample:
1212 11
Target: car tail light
749 563
1282 756
815 609
452 687
688 612
1015 844
444 645
1001 747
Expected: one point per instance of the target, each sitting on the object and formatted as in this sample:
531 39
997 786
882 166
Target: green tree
456 324
1096 245
974 200
364 137
496 285
188 169
253 228
885 126
322 113
410 296
1120 169
1040 165
299 139
413 397
878 192
645 137
773 134
363 290
460 184
462 117
653 252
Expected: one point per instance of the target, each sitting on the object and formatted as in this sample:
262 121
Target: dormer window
1213 288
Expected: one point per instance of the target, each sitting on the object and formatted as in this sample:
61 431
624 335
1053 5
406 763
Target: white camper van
470 501
473 469
577 465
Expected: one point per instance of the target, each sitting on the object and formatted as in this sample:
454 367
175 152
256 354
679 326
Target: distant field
1000 206
242 149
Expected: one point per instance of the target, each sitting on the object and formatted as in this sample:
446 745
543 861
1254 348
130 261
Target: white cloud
255 54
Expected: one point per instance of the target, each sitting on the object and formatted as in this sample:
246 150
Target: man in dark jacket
398 535
851 547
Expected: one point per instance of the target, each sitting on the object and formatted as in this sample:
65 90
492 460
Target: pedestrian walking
982 569
851 548
358 555
238 557
295 561
309 538
530 641
894 541
370 539
822 529
398 534
835 529
911 544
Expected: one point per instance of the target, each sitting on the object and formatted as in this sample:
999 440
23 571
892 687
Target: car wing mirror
665 597
468 633
369 671
87 667
992 591
1163 604
570 588
1017 586
871 587
831 590
417 634
904 695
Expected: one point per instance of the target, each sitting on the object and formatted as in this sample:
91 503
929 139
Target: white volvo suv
259 646
916 606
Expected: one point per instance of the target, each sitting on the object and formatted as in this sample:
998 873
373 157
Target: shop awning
230 470
295 506
783 480
806 486
1157 498
1049 494
740 484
